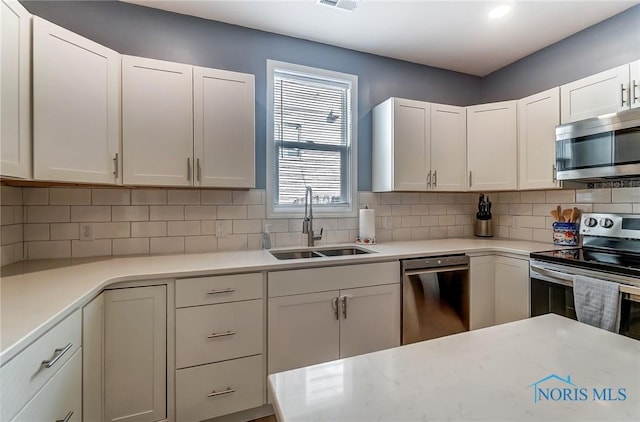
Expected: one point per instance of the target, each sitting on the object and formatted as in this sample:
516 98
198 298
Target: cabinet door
157 122
303 330
60 398
76 107
135 354
15 90
481 292
491 146
634 84
224 133
370 319
538 116
448 148
511 289
603 93
411 146
93 359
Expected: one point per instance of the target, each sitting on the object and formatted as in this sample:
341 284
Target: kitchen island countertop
546 368
35 295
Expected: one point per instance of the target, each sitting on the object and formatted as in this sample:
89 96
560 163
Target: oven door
552 292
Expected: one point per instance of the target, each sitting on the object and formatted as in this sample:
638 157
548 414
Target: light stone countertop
485 374
35 295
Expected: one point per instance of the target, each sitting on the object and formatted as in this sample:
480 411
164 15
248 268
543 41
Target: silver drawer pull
66 418
214 393
57 354
216 292
225 334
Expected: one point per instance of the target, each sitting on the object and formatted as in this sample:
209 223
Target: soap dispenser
266 237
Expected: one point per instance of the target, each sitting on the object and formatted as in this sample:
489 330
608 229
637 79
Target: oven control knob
606 223
590 222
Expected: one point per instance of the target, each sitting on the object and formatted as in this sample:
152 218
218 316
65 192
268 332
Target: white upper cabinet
602 93
157 122
76 107
538 116
224 128
491 146
448 148
15 127
634 84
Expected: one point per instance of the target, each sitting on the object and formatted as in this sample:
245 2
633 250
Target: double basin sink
319 252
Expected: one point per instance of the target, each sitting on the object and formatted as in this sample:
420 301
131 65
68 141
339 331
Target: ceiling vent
347 5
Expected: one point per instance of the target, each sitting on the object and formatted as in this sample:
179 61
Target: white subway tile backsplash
200 212
256 211
325 223
462 220
538 222
48 214
339 236
183 197
166 245
11 234
64 231
96 213
130 213
420 209
455 231
521 233
382 210
7 255
34 232
508 197
216 197
49 249
287 239
410 221
411 198
111 230
429 220
560 196
593 195
7 215
200 244
348 223
133 246
69 196
148 197
247 226
625 195
446 198
166 212
542 235
235 242
368 198
613 208
82 249
438 232
36 196
420 233
251 197
277 225
533 197
438 209
149 229
390 198
232 212
401 234
111 197
10 195
521 209
183 228
446 220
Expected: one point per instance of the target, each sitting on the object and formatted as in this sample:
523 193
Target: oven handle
567 280
436 270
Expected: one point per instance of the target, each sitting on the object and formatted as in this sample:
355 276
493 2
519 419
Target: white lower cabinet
311 327
60 399
135 354
499 290
220 341
217 389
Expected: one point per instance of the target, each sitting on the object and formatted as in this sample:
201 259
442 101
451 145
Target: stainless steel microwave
602 147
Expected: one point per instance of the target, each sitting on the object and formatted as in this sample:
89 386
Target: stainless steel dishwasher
435 297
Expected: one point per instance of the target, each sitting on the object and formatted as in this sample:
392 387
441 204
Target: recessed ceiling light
499 11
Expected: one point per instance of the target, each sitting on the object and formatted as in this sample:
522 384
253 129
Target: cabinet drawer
60 397
218 289
196 389
25 374
213 333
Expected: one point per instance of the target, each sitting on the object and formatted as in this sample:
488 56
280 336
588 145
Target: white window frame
298 211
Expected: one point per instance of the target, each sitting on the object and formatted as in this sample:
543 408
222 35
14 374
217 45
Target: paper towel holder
366 240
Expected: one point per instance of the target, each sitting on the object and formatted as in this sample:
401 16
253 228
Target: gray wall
135 30
603 46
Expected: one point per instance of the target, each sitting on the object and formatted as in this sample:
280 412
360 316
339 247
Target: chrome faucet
307 223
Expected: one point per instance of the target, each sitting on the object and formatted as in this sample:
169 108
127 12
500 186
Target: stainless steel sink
295 254
343 251
319 253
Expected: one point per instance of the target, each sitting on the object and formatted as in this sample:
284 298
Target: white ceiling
455 35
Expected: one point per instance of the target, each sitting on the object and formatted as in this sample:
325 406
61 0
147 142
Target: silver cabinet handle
554 173
214 393
344 307
622 94
470 180
115 166
189 169
634 87
435 178
66 418
57 354
336 310
429 179
198 170
225 334
219 291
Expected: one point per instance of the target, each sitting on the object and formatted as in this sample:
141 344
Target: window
311 140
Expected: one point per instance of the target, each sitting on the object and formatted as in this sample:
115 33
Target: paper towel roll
367 225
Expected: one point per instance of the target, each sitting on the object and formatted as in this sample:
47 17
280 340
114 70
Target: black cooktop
618 262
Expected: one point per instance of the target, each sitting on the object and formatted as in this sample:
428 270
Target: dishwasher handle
436 270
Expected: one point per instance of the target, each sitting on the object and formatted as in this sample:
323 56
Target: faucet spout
307 222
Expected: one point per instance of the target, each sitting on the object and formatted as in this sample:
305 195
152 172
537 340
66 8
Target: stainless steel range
610 252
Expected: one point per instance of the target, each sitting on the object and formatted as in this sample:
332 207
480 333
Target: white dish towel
597 302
